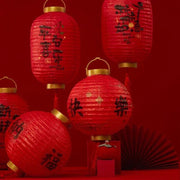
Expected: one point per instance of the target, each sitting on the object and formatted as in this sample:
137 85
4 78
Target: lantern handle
6 77
100 59
61 1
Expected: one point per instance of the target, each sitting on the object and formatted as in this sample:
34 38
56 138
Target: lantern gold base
54 9
127 65
100 138
55 86
60 116
12 166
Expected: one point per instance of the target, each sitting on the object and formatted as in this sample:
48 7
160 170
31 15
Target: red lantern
99 105
38 143
127 28
55 47
11 106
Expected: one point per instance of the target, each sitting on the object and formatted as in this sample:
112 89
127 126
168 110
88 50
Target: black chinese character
5 111
50 161
121 106
17 128
129 15
57 57
60 26
57 41
4 125
122 28
121 9
137 25
44 31
75 106
128 22
45 51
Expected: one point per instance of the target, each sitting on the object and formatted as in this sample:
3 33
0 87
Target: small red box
106 168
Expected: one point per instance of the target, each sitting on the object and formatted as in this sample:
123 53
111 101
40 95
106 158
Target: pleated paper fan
145 149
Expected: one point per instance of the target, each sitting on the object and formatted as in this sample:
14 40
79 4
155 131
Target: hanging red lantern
127 27
99 105
55 47
38 143
11 107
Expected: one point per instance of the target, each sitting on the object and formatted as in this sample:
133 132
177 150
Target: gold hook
100 59
48 0
6 77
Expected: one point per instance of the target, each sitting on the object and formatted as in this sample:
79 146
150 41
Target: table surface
168 174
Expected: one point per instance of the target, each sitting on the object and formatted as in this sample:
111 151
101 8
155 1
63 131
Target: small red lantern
11 107
99 105
127 27
107 151
55 47
38 143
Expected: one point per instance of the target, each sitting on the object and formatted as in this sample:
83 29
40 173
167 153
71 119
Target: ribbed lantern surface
38 144
55 47
99 105
11 107
127 27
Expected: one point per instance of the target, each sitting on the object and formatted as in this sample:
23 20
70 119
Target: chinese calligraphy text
51 160
5 114
121 106
51 45
17 128
75 107
128 20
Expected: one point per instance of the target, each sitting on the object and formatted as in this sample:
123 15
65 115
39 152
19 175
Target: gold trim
12 166
54 9
8 90
60 116
55 86
100 138
127 65
98 72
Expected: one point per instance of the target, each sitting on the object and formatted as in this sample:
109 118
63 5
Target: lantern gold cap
12 166
8 89
91 72
55 86
98 72
54 9
60 116
127 65
100 138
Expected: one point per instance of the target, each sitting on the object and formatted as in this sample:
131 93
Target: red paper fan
146 149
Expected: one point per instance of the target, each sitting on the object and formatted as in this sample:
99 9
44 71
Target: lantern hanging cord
100 59
48 0
6 77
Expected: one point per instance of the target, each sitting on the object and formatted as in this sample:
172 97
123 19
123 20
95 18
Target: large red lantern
38 143
11 107
99 105
55 47
127 27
